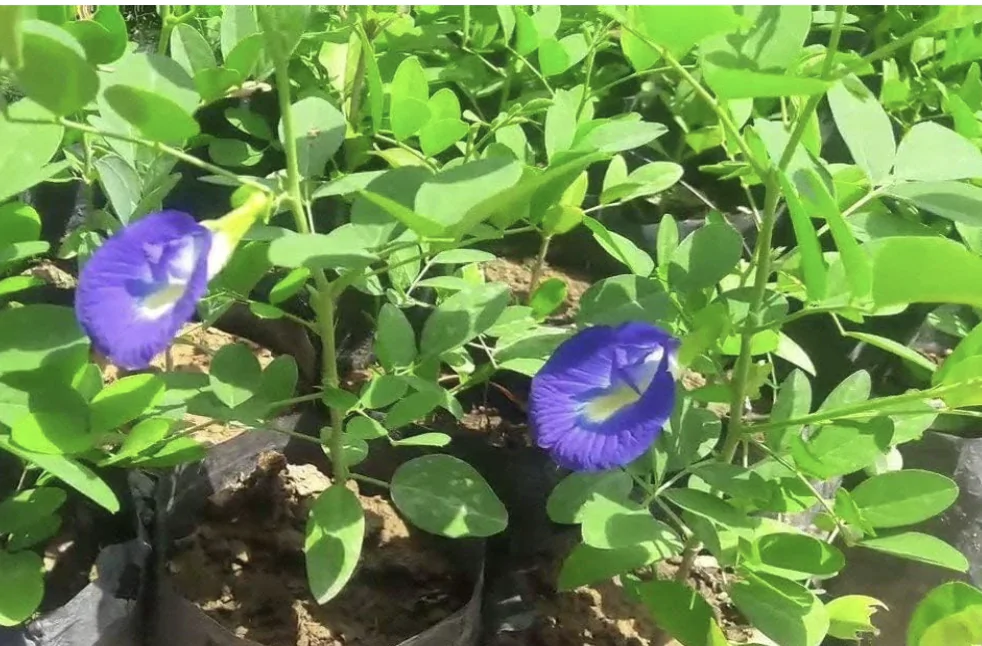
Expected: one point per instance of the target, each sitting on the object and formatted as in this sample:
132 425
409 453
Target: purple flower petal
604 395
142 285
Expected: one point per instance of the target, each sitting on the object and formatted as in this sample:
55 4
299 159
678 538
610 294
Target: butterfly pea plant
405 143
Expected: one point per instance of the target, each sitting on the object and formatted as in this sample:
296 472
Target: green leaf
339 248
37 335
621 248
666 242
783 610
680 28
649 179
793 353
945 272
233 152
891 346
610 525
864 126
103 37
141 437
123 401
420 224
799 556
235 374
319 130
444 495
409 90
567 501
395 340
534 193
121 184
424 439
451 195
681 612
904 497
691 433
238 22
287 23
561 121
44 529
932 153
922 548
843 448
333 540
943 601
76 475
382 391
705 256
411 408
23 589
709 507
849 616
11 43
729 81
620 134
462 317
18 223
854 257
625 298
27 148
587 565
957 201
967 348
47 48
155 117
56 422
26 508
364 428
247 54
776 36
190 49
439 135
963 628
547 297
214 83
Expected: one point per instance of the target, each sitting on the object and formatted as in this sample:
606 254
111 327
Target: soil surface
244 566
517 274
606 615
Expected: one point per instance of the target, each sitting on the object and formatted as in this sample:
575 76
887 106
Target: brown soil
192 351
517 274
244 566
606 615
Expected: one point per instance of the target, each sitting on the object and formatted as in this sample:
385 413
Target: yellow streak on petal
609 404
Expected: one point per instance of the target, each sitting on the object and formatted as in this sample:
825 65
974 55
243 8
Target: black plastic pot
109 611
901 584
181 500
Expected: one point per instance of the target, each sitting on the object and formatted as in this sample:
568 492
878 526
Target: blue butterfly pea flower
604 396
143 284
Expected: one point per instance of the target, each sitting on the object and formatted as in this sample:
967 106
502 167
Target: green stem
710 100
324 304
154 145
408 149
762 257
744 362
540 262
534 70
167 26
369 480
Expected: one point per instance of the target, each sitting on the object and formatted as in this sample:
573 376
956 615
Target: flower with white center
604 396
143 284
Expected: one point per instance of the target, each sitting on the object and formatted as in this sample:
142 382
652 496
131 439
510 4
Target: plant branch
324 303
762 256
155 145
